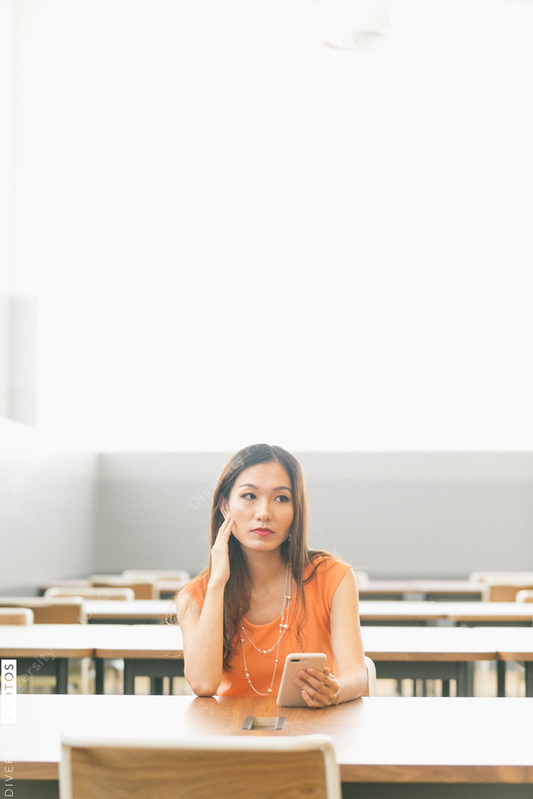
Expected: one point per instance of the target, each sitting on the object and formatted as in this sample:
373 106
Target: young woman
266 595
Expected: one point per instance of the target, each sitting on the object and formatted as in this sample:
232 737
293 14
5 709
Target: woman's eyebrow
251 485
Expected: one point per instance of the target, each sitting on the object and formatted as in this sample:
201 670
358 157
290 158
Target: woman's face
261 505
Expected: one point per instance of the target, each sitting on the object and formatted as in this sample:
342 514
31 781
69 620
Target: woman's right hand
220 554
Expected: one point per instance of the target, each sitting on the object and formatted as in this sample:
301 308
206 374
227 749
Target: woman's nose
263 510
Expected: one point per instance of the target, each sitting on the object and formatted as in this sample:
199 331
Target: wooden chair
91 592
21 616
524 596
371 684
61 610
225 767
143 587
503 590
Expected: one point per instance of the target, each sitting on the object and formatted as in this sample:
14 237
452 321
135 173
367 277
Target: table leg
61 665
500 666
470 678
129 677
529 677
461 680
99 675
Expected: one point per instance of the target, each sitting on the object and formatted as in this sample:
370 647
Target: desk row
157 651
428 748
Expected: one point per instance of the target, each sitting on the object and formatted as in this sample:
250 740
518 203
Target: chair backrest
225 767
524 596
482 576
92 592
59 610
160 574
143 587
496 590
16 616
370 689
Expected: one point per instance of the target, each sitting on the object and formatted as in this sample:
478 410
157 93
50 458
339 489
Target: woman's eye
248 495
283 498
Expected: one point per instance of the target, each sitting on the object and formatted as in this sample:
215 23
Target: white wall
392 514
238 234
47 497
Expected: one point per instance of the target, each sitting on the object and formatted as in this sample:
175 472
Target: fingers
224 531
319 689
310 702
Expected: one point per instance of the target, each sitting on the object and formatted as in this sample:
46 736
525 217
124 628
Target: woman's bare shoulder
186 604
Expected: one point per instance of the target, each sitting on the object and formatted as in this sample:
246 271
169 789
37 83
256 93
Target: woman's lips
263 531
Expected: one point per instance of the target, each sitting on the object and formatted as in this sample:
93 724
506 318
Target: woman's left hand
319 689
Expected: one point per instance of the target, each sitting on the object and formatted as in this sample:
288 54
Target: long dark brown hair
294 550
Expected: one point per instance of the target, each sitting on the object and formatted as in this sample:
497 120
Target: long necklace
283 626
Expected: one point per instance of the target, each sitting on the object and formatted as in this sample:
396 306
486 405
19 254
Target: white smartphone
290 694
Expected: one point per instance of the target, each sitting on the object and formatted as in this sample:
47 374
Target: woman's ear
223 505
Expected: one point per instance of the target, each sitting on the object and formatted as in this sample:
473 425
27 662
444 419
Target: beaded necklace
283 626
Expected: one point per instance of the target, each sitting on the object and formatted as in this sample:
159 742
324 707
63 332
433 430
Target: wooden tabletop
376 739
162 641
130 609
157 641
389 610
435 587
455 644
510 643
149 610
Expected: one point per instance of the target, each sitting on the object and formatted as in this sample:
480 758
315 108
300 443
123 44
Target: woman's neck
265 569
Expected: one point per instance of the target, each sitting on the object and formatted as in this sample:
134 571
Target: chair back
59 610
500 590
21 616
524 596
225 767
370 689
91 592
143 587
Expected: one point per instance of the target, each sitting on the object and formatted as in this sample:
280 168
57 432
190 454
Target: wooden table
147 611
391 611
46 648
413 652
386 747
511 644
154 651
157 650
131 611
420 589
427 653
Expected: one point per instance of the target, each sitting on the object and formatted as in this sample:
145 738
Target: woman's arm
324 689
203 628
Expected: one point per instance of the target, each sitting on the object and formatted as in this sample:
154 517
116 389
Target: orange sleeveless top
315 636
